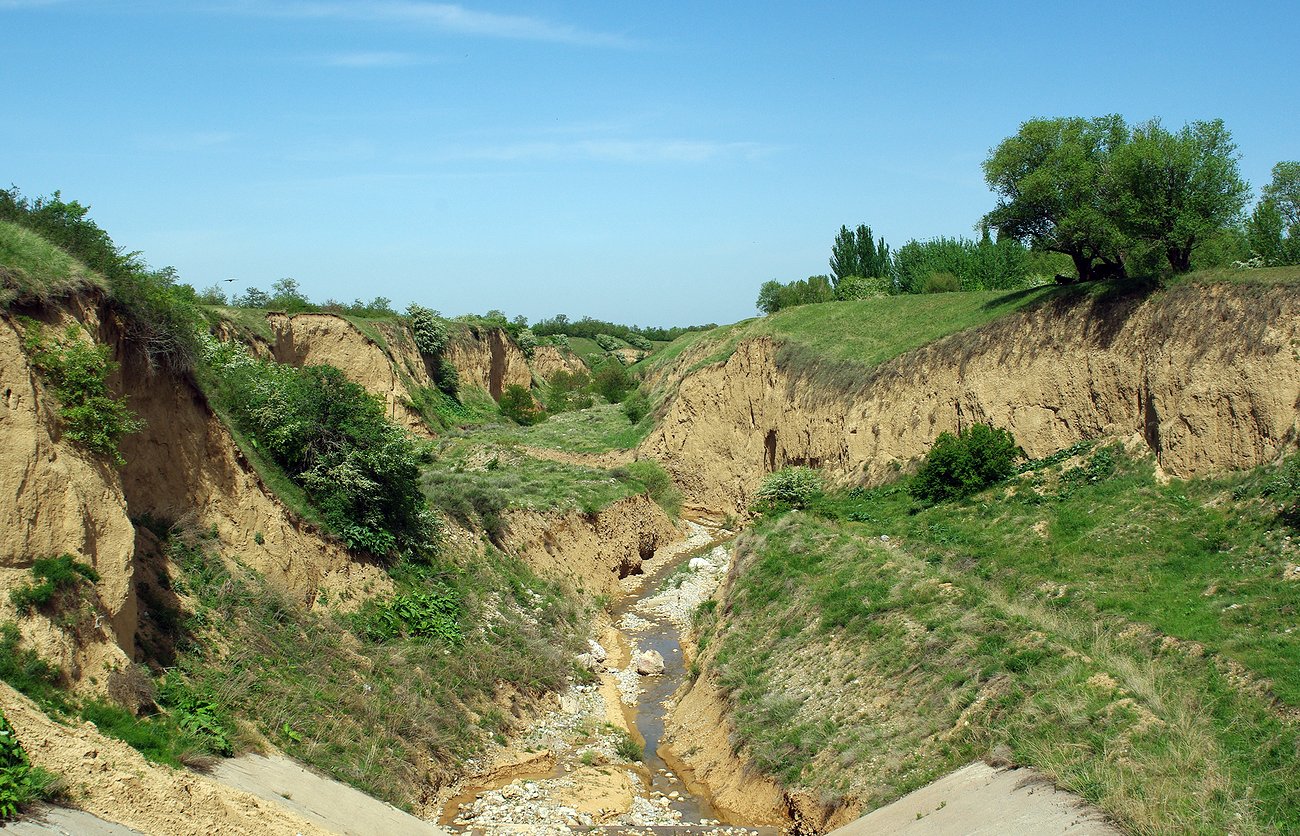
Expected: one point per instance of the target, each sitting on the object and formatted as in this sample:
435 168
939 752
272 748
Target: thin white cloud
376 60
446 17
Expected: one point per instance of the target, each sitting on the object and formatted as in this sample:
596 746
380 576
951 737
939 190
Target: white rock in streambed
650 663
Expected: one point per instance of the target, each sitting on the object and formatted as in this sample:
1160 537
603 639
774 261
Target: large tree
1273 228
1049 180
1176 190
857 253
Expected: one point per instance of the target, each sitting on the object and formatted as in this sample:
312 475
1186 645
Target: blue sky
646 163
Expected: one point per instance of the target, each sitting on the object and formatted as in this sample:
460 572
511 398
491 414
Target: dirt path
978 800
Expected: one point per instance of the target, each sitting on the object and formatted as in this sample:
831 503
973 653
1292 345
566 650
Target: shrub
432 614
636 406
53 575
859 287
429 330
658 484
526 340
447 376
612 382
960 465
791 487
608 343
333 439
20 782
518 405
941 282
639 342
78 371
566 391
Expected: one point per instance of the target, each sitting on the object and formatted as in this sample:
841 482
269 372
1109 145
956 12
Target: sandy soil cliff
1208 378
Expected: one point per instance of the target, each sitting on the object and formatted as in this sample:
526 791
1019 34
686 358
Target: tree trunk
1180 258
1082 266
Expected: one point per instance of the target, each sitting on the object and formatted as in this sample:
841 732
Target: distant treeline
286 296
1079 200
590 328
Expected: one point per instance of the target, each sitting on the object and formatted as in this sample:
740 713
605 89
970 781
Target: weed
54 575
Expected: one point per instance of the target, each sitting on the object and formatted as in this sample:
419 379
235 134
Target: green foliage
20 782
430 331
527 341
774 296
656 483
447 376
639 342
54 575
790 487
942 282
374 714
1273 229
78 370
960 465
943 265
859 287
612 382
517 404
636 406
27 672
1174 191
856 253
160 315
433 613
35 270
566 391
1112 198
607 342
1050 182
333 439
627 748
587 328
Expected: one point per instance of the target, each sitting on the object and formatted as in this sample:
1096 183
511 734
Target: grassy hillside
1133 639
33 269
868 332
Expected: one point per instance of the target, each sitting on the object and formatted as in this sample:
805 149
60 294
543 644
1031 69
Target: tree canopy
1097 190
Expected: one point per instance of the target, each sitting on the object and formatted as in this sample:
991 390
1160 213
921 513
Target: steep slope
1207 376
62 501
309 339
488 358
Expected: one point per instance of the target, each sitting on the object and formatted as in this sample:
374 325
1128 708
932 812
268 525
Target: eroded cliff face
311 339
592 551
549 359
1207 377
182 469
489 359
64 500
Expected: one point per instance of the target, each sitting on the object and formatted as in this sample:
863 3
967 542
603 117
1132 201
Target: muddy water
568 793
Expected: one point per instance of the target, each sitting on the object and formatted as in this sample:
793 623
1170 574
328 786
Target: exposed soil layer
1207 377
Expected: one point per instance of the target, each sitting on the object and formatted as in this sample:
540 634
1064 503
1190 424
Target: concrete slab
322 801
978 800
47 820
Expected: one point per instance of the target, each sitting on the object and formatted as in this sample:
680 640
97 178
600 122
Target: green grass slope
33 269
1135 640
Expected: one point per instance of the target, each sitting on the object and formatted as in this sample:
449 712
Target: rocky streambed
596 762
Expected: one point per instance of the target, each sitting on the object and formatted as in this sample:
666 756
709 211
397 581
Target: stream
572 773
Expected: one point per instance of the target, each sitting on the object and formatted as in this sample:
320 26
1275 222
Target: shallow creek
570 776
